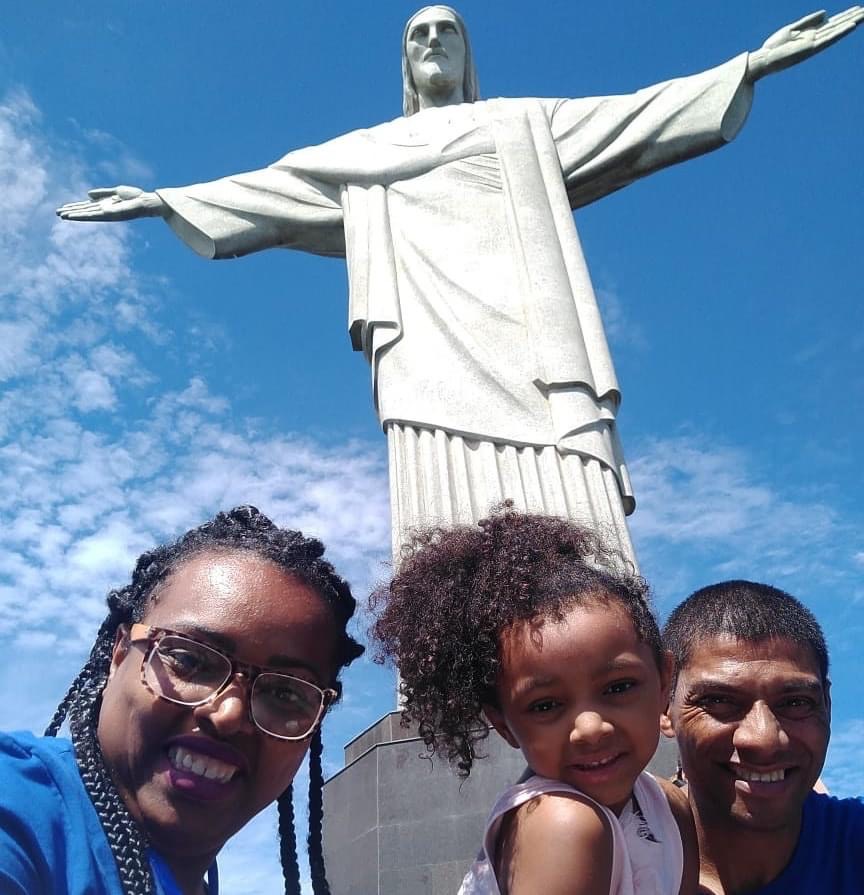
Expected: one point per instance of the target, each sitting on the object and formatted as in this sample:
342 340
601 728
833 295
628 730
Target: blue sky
144 388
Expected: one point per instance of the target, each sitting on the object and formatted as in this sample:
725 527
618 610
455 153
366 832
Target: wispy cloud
623 332
712 503
102 457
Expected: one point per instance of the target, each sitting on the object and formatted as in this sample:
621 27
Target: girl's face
249 608
582 699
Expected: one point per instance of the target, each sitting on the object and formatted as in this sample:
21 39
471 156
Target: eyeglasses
186 671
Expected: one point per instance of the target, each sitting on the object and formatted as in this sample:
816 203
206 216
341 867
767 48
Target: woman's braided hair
243 528
456 590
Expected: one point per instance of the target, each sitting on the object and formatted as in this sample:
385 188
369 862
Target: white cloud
712 500
92 391
621 330
101 458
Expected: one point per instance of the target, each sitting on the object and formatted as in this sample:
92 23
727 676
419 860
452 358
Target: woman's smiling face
582 698
193 776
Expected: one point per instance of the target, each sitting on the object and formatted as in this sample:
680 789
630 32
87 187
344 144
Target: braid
128 843
243 528
288 843
81 704
320 885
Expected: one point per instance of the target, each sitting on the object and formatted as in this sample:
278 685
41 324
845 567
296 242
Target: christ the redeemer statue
469 292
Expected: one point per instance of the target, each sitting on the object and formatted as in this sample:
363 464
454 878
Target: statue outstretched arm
116 203
799 41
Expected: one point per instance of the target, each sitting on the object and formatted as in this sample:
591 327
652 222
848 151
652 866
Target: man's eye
718 704
618 687
420 31
796 707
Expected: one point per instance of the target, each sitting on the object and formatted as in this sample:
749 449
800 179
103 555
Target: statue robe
469 292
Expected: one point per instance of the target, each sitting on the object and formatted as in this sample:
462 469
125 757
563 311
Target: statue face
435 49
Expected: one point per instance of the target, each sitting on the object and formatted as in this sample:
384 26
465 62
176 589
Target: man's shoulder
834 816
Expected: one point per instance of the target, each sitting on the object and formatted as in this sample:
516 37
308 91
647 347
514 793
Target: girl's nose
589 728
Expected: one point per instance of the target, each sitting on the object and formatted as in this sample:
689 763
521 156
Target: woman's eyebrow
229 645
201 632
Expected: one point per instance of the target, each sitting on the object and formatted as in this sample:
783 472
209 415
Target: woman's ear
120 649
497 720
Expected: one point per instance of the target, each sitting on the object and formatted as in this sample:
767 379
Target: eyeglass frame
153 635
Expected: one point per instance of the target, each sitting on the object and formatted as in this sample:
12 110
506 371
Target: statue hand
799 41
118 203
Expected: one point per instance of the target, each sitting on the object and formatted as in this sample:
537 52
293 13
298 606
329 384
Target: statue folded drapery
469 292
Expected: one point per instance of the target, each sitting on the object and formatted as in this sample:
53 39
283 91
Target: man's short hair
745 610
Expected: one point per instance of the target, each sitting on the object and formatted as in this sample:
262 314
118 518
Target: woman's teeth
202 765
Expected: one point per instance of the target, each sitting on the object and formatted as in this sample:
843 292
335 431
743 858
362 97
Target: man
469 293
750 708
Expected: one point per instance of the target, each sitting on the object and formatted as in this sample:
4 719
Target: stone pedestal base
399 824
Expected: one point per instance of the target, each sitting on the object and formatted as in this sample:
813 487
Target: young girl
532 623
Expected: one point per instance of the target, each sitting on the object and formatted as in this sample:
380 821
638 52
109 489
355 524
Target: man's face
436 51
752 721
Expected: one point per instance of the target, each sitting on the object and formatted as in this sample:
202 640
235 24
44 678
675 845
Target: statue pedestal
399 824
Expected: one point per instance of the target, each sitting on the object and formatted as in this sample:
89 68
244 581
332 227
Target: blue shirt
51 840
829 856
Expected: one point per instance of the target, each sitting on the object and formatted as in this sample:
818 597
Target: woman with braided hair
204 690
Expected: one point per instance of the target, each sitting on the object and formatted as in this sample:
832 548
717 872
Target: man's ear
120 649
666 726
667 675
667 678
496 719
668 681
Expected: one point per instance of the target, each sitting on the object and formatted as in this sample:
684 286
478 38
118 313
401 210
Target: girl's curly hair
457 589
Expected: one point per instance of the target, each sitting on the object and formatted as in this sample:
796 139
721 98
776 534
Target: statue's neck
436 100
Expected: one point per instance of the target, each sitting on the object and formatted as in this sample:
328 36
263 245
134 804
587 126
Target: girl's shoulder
555 837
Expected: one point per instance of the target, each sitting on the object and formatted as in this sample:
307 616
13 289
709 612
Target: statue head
437 61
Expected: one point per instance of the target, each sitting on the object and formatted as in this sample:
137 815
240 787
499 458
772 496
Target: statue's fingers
829 34
71 206
86 214
854 14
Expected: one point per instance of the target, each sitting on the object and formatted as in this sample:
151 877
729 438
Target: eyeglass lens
190 673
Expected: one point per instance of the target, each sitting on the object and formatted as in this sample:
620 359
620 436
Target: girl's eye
542 706
619 687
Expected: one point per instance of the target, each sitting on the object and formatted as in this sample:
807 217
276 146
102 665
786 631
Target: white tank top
647 856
